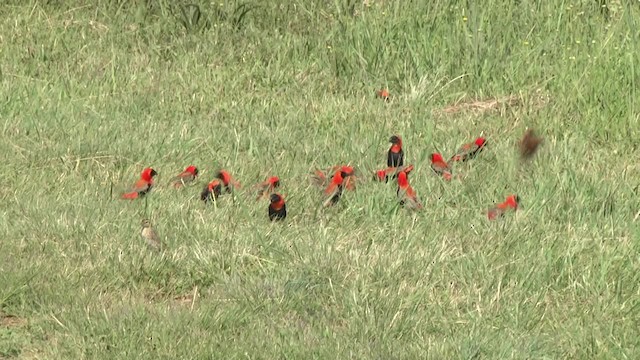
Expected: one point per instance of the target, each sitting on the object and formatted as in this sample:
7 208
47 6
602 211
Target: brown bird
529 144
150 235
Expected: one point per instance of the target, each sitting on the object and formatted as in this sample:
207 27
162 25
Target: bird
512 202
212 191
395 155
383 94
142 186
228 182
322 178
319 178
266 187
529 144
440 167
383 175
188 176
277 207
470 150
334 190
406 194
150 235
350 179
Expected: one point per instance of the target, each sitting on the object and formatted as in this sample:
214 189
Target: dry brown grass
537 100
10 321
479 105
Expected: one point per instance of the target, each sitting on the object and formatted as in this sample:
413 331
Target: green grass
91 94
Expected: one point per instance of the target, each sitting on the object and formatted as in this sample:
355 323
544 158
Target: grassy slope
91 95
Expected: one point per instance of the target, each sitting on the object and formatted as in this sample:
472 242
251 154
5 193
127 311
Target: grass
91 94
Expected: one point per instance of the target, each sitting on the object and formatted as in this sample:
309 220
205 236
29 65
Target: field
93 92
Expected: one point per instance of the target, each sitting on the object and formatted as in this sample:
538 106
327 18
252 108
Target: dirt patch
184 300
9 321
187 300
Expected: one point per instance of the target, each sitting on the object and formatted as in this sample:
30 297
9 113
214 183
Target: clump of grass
190 16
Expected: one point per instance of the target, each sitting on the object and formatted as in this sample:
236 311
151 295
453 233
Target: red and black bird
142 186
383 175
333 192
440 167
395 156
228 182
277 207
267 187
188 176
469 151
406 194
321 178
512 202
212 191
383 94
